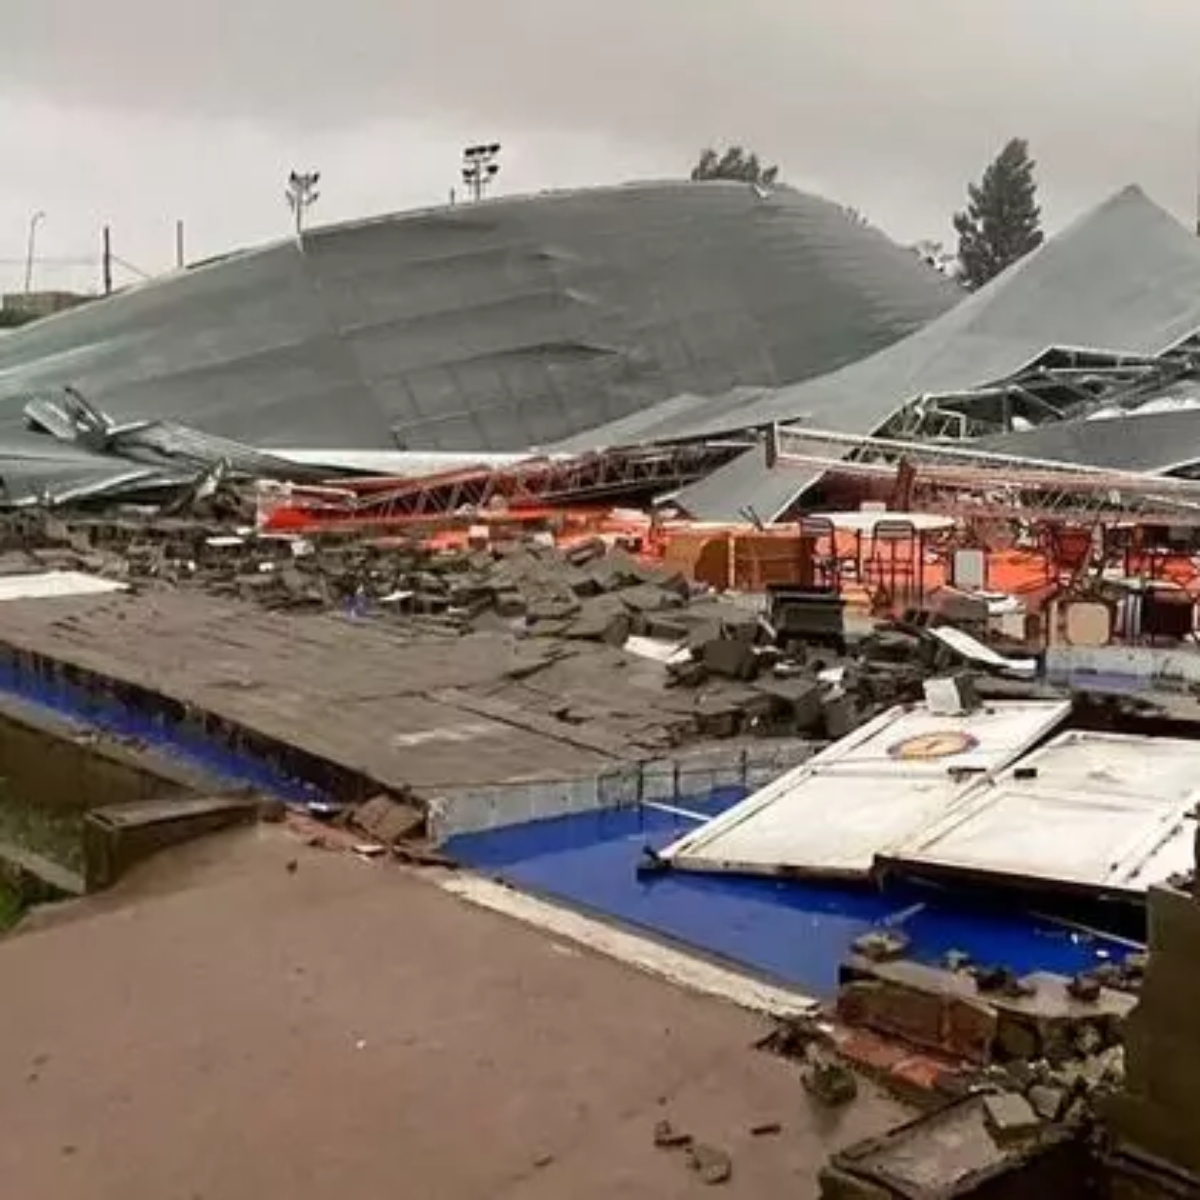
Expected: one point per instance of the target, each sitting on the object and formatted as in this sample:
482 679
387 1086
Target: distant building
21 307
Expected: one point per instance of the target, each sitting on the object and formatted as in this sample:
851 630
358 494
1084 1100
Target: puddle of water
793 931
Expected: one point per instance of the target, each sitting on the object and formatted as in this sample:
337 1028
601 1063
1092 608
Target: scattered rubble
1009 1116
830 1082
766 1129
713 1166
884 945
725 669
389 822
990 1145
736 672
667 1137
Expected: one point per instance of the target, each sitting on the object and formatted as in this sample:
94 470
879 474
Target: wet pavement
252 1018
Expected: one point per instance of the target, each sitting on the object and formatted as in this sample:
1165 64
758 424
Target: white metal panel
48 585
867 793
1104 812
975 651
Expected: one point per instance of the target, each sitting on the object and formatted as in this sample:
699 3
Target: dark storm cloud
889 104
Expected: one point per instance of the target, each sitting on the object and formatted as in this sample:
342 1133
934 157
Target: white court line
664 962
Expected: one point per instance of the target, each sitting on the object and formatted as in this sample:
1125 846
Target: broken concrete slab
829 1082
953 1153
118 836
1010 1117
882 945
797 703
388 821
934 1009
549 604
1048 1102
730 657
950 1012
713 1166
618 570
601 618
667 1137
646 598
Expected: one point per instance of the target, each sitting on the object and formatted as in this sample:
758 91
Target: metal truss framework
1062 384
973 483
601 477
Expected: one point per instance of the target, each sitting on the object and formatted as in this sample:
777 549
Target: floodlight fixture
302 194
480 168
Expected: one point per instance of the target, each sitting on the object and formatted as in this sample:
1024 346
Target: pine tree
734 164
1002 222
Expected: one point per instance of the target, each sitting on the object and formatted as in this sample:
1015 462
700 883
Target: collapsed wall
1155 1123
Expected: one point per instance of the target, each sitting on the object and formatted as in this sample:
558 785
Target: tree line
1001 223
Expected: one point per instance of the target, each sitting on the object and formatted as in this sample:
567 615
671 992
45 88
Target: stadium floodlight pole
480 168
302 194
34 221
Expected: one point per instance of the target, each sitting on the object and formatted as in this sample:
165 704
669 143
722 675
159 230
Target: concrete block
840 1185
618 570
937 1010
119 836
545 605
838 716
35 878
646 598
1010 1117
388 821
601 619
718 716
800 700
952 1153
1046 1022
730 657
1048 1102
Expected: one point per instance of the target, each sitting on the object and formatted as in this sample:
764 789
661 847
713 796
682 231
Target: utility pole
480 168
1196 179
34 221
106 261
180 261
301 195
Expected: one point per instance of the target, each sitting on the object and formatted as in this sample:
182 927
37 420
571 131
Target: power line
130 267
52 261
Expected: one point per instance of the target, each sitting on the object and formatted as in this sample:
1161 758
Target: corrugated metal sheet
745 485
499 326
867 794
1125 277
35 468
1138 441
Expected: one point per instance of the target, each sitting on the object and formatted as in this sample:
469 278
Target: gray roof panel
744 486
498 326
1125 277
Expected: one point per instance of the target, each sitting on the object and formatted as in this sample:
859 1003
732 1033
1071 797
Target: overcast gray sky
138 112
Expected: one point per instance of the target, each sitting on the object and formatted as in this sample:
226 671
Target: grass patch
12 907
54 833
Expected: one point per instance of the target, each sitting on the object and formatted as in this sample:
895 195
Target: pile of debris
745 667
1017 1070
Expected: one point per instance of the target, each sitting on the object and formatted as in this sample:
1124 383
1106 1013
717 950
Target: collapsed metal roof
498 326
1121 284
1162 436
